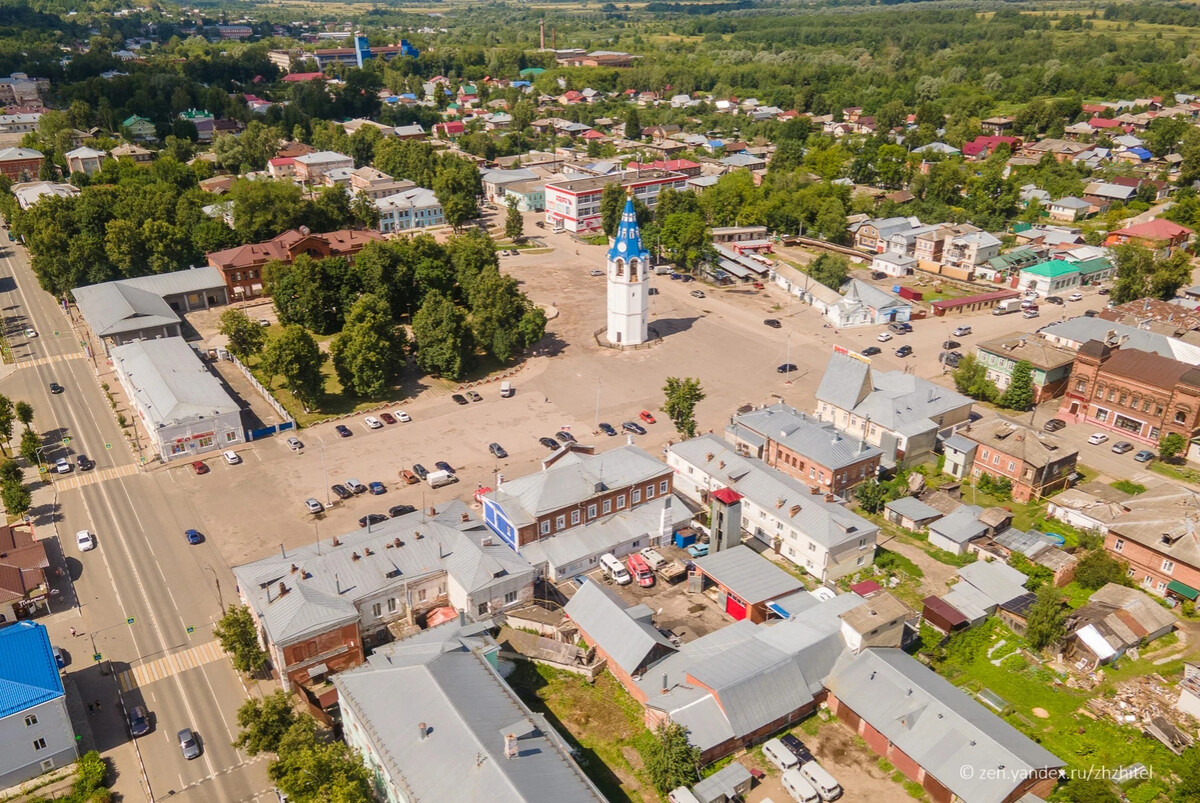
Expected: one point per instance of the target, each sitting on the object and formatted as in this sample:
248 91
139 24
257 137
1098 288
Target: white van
822 781
779 755
800 789
615 570
682 795
654 559
506 389
437 479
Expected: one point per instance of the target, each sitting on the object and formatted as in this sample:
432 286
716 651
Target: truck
1007 305
672 572
437 479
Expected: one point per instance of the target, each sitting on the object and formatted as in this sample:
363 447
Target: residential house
866 305
1073 333
1114 620
983 146
624 636
1091 507
935 734
35 726
319 606
29 193
415 208
496 181
872 235
130 151
810 528
18 89
414 131
1033 546
242 265
85 160
376 184
1051 365
1161 236
959 454
1159 538
434 719
24 589
311 167
893 264
973 303
1136 394
1036 462
20 164
956 529
1069 209
803 447
140 129
1102 194
965 250
911 513
984 586
900 413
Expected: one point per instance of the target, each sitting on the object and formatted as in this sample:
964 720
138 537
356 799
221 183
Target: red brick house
1137 394
1159 539
20 164
242 266
1035 462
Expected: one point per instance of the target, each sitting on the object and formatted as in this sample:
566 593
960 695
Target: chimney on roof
422 731
465 517
432 510
510 745
283 589
780 503
336 542
295 568
793 511
418 535
828 497
814 490
355 556
708 457
397 543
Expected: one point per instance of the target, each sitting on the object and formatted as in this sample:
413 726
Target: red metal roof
727 496
965 301
1157 229
300 77
866 588
944 611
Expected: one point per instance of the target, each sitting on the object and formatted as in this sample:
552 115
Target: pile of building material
1148 702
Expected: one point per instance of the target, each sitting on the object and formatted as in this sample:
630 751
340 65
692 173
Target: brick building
242 265
20 164
1051 366
1035 462
1137 394
1159 538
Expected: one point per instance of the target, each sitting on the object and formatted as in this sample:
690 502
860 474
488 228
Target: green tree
671 760
1019 393
264 722
633 124
870 495
10 471
514 223
30 443
497 309
443 338
685 239
1046 620
16 498
830 270
365 212
246 337
367 352
1188 770
238 636
24 413
294 355
1099 568
311 292
1095 790
682 396
970 378
7 417
1171 445
612 201
314 769
457 186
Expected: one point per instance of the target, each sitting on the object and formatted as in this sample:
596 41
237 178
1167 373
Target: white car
1097 438
372 422
884 337
30 333
1075 297
962 330
85 541
231 457
62 465
403 417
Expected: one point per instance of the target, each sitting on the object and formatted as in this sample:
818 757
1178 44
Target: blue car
376 488
698 550
343 430
193 536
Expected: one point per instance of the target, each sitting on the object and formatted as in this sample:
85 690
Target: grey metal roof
960 525
874 297
722 784
755 684
748 574
170 382
1083 329
912 508
828 523
604 617
816 440
114 308
998 581
938 726
192 280
960 443
468 709
894 400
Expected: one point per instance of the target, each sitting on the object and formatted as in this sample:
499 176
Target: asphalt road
146 600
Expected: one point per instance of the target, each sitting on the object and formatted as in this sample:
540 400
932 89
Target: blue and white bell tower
628 274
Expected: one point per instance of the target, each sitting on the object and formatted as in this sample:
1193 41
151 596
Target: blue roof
28 674
1141 153
628 242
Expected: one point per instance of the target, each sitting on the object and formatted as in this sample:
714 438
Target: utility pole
596 425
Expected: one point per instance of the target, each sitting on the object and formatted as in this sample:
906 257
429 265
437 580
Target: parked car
372 518
565 437
85 541
408 477
497 450
1053 300
372 422
697 294
775 752
376 488
294 444
139 722
698 550
904 351
900 328
401 510
1103 291
634 427
232 458
651 291
387 418
200 467
313 505
343 431
458 398
797 748
1075 297
442 465
193 537
607 429
55 387
549 443
1121 447
1144 456
645 416
341 491
30 333
595 272
60 660
962 330
786 368
1097 438
355 486
1054 425
884 337
188 744
870 351
676 276
1029 313
773 323
473 396
951 358
403 417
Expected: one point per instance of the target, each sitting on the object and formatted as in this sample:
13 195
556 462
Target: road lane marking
49 360
80 479
169 665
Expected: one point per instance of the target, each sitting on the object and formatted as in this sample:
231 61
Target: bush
999 487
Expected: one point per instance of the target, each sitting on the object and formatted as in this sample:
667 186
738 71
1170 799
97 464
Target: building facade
628 273
574 204
1035 462
35 728
415 208
242 265
1050 365
20 164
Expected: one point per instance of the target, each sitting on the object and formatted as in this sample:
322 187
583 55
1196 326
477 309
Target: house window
812 547
230 436
1123 398
862 542
995 460
510 597
574 517
1154 433
861 560
31 720
621 502
1146 406
1129 573
662 487
649 491
545 528
1180 417
377 610
1158 409
393 604
985 455
1102 415
39 744
421 595
482 609
607 506
1161 586
1168 566
1080 385
812 472
591 511
560 523
1112 394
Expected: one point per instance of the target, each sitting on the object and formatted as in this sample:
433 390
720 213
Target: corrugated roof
912 508
170 382
28 674
604 617
810 437
115 308
894 400
747 574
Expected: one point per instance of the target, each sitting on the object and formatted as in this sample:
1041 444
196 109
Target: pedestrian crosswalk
169 665
78 479
51 359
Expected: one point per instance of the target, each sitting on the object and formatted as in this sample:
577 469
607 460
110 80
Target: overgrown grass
1126 486
1180 473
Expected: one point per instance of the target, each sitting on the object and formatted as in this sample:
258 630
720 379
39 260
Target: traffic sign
190 629
129 621
66 441
96 657
107 445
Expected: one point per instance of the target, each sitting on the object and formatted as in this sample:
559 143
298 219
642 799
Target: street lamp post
325 474
217 581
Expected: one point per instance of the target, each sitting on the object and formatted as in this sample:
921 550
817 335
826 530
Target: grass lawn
1179 473
1076 738
600 719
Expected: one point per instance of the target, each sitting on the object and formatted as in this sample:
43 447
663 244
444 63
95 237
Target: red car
200 467
645 416
387 418
759 286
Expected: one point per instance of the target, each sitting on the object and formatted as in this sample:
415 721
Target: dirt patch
1040 713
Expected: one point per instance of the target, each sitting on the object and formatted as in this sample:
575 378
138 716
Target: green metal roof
1183 590
1053 269
1094 265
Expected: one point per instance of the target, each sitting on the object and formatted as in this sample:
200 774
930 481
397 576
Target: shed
728 783
911 513
746 581
942 616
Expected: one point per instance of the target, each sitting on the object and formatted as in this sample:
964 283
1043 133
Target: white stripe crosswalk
79 479
168 665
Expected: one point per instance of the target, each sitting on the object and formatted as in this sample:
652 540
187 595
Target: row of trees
971 379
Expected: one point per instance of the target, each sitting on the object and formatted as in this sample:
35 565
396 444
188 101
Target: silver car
188 744
313 505
294 444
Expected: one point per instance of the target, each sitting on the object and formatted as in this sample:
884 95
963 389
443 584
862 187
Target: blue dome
628 242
